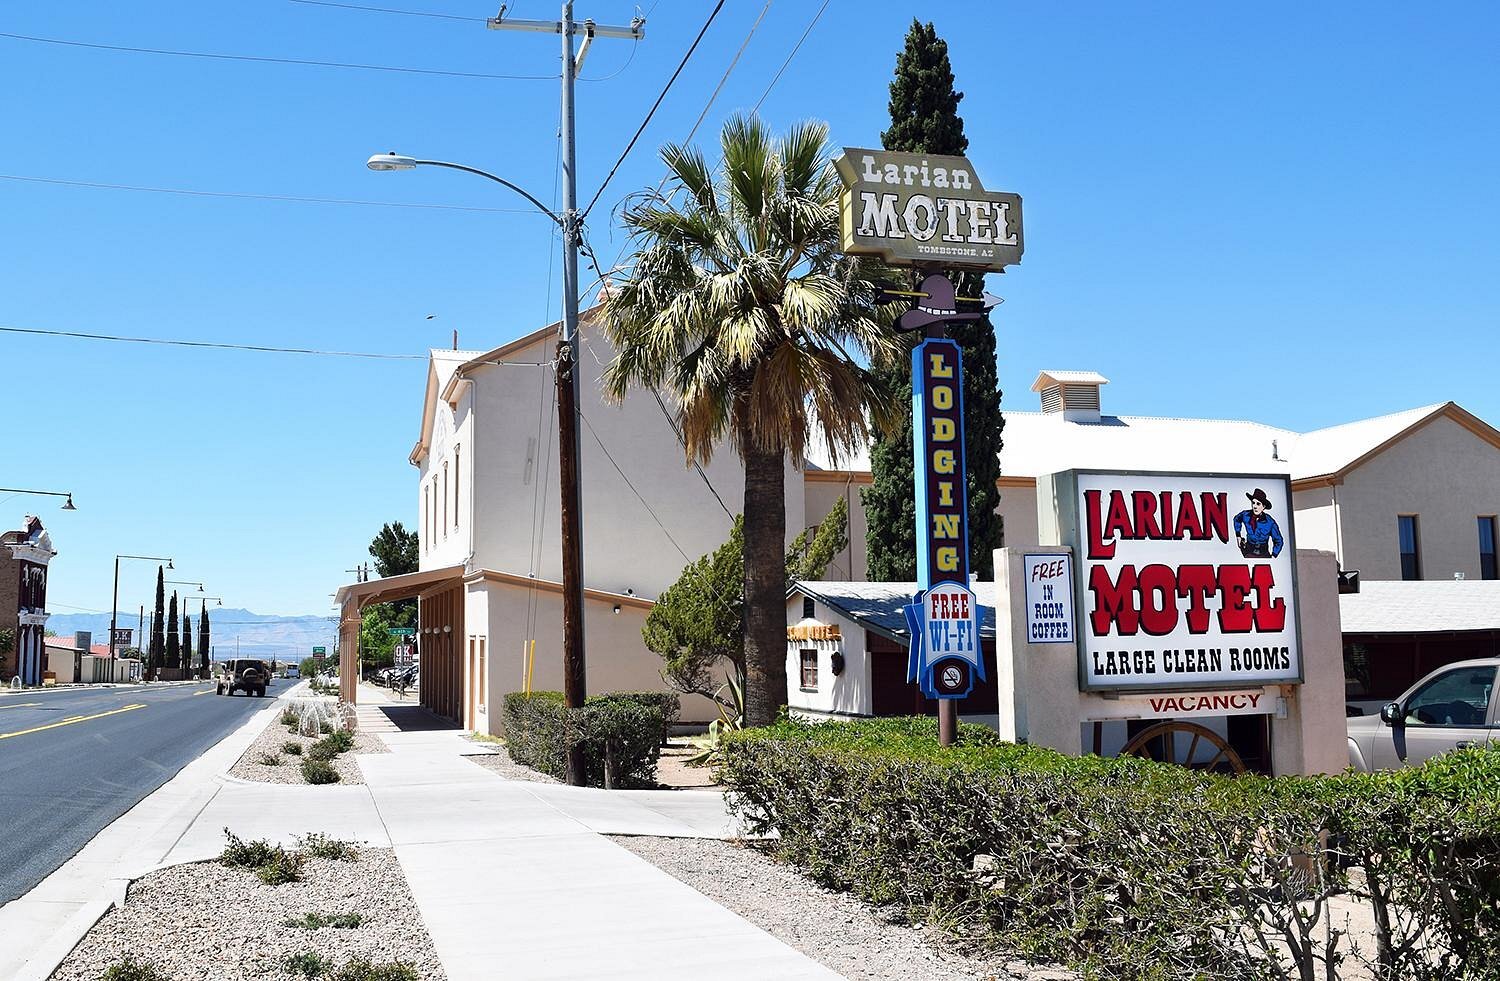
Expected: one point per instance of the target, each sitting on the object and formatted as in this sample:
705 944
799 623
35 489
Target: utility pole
575 681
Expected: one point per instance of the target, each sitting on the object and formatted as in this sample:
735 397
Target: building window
809 670
483 679
457 483
809 608
1488 567
426 516
445 498
1411 559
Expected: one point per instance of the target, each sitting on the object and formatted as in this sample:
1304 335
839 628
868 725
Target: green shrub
291 748
130 969
283 867
316 921
290 718
341 739
238 853
320 845
268 759
539 730
668 702
318 771
308 963
360 969
1128 868
326 728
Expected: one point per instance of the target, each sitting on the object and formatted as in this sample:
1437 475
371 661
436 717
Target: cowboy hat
1260 496
938 307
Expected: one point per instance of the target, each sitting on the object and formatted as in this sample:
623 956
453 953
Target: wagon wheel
1206 750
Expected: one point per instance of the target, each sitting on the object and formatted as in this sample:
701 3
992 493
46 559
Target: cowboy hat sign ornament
932 213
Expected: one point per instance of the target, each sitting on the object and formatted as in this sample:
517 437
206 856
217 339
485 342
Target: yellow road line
21 705
68 722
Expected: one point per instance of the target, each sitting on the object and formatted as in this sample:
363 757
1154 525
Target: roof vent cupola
1074 395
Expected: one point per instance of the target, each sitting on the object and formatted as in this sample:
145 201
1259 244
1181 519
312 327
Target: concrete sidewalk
503 872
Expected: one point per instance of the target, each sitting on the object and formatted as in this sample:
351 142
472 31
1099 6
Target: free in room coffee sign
1184 580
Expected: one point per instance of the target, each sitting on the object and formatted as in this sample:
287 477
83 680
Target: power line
260 348
388 10
266 59
795 48
261 197
654 106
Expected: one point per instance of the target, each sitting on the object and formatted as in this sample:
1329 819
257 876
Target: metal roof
1421 607
877 605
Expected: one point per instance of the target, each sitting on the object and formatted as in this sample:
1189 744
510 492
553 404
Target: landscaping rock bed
275 742
500 764
833 928
208 922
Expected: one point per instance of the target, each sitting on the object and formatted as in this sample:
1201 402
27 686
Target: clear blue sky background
1283 212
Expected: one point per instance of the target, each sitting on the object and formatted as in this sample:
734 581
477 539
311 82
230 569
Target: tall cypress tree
925 119
158 625
174 651
203 646
187 639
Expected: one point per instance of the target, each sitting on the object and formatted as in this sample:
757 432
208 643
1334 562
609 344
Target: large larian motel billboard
1183 581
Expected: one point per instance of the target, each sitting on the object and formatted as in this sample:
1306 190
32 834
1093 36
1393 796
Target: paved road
72 761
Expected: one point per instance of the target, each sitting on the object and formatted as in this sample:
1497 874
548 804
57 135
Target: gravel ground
205 922
289 769
833 928
504 767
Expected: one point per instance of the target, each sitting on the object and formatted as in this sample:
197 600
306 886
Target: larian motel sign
932 213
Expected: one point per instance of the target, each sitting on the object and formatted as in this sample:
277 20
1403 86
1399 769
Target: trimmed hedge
1132 869
539 730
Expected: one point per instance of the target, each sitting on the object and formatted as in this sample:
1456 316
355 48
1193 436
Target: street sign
319 652
402 631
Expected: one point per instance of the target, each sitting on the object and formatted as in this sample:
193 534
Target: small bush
668 702
320 845
317 921
290 718
291 748
130 969
242 854
326 728
340 739
283 867
308 963
318 771
268 759
539 730
360 969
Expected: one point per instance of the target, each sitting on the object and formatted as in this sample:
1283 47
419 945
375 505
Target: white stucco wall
626 547
1444 474
820 495
1018 508
1316 519
848 694
445 479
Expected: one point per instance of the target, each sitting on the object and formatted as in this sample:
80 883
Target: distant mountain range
259 634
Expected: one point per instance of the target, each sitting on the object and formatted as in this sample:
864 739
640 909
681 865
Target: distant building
24 558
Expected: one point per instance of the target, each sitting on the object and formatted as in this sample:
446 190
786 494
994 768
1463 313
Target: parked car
243 674
293 671
1454 707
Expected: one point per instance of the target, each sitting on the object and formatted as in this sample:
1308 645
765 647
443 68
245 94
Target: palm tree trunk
765 581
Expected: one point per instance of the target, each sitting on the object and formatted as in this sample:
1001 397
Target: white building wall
1316 519
820 496
847 694
1444 474
1018 508
445 482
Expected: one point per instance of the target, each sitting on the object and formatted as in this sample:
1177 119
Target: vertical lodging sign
945 656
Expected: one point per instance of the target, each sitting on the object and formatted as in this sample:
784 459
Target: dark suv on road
243 674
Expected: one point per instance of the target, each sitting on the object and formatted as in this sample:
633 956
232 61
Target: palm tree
740 306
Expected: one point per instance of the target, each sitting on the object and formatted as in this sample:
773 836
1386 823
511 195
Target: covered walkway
440 627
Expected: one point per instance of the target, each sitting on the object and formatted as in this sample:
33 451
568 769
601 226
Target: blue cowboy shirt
1257 530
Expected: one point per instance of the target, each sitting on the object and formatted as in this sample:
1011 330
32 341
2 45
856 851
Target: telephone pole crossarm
634 32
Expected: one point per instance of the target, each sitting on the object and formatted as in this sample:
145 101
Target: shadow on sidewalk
414 718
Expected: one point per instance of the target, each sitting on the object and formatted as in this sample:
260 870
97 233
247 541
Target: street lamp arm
498 180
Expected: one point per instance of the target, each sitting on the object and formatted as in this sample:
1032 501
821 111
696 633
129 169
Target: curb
48 955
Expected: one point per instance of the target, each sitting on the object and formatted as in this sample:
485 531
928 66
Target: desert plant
320 845
130 969
283 867
307 963
731 703
313 920
269 759
318 771
239 853
291 748
360 969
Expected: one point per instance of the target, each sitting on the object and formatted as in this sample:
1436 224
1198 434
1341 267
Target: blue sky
1276 211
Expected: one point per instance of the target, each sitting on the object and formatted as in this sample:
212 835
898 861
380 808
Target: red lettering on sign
1158 589
1114 602
1196 582
1270 615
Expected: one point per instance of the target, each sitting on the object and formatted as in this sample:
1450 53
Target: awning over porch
354 597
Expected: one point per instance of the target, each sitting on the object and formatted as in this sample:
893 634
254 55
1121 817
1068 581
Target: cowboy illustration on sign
1259 537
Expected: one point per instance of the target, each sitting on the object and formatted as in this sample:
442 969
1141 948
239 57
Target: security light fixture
391 161
68 505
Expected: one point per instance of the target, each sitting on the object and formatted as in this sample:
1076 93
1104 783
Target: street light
115 603
67 505
575 683
182 582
